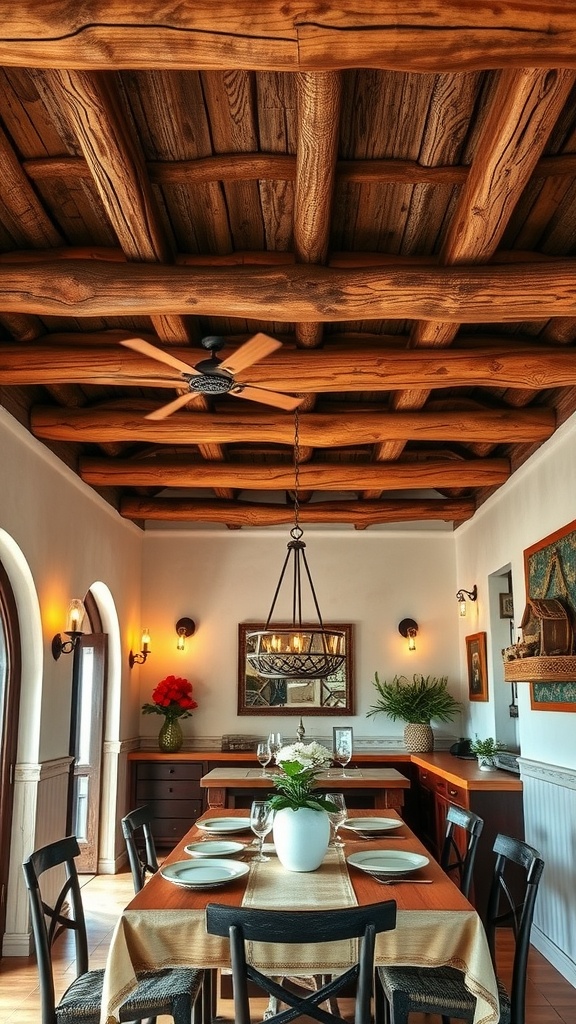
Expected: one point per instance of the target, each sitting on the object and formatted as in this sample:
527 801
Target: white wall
539 499
371 579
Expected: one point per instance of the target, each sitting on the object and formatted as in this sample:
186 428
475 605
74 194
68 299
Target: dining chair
173 992
441 990
137 832
244 925
451 858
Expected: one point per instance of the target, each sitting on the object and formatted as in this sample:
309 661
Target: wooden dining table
164 924
385 785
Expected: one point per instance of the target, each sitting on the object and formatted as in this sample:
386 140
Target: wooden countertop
465 774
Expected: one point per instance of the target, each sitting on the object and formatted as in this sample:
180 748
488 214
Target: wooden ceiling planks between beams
318 430
362 368
361 514
425 36
524 109
460 294
163 471
117 166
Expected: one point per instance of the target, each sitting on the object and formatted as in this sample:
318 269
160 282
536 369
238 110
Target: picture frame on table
343 737
477 667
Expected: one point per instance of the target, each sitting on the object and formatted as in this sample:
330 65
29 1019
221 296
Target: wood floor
550 999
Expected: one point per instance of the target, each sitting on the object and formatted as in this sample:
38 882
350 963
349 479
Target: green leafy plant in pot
415 702
486 751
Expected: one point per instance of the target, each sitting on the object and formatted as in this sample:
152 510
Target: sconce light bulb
76 613
462 605
145 641
181 642
411 640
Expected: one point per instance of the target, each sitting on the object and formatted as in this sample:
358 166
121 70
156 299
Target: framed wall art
477 670
260 696
506 606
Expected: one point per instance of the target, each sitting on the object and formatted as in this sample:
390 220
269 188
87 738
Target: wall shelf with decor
541 669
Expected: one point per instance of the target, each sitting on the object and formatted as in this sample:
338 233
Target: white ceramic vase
301 837
486 763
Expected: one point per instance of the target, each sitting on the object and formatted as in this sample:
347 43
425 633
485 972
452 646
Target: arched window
10 674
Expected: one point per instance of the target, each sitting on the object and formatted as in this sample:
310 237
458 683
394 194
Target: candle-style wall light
184 628
408 628
140 658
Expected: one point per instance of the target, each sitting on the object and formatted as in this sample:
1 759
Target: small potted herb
486 751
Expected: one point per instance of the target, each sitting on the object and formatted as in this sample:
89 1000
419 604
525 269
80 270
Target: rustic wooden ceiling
388 189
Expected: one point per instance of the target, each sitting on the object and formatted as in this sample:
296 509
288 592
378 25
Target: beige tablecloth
154 938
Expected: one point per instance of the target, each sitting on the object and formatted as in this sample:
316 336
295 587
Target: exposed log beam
361 368
318 430
172 472
360 513
427 35
455 294
229 167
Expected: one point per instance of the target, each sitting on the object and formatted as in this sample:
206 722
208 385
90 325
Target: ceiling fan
215 376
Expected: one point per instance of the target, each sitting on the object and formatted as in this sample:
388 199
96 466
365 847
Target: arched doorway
10 676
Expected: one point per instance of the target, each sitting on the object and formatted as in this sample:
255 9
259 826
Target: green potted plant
485 751
415 702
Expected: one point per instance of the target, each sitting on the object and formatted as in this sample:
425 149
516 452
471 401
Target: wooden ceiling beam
425 36
353 369
509 293
318 430
163 471
229 167
319 109
360 514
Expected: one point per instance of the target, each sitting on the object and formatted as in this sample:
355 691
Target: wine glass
337 817
264 755
275 744
261 821
342 756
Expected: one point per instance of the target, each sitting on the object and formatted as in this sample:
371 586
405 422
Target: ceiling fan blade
146 349
275 398
167 410
251 352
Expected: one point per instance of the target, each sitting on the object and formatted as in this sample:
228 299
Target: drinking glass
261 821
264 755
337 818
342 756
275 744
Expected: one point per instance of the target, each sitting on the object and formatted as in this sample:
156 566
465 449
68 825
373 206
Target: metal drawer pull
453 792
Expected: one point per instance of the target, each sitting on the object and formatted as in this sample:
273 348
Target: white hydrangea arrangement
299 764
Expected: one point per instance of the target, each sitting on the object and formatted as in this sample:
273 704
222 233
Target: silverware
399 881
373 839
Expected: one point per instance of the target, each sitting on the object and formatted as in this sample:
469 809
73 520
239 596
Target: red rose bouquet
172 698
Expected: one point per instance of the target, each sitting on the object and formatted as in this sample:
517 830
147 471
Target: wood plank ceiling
387 189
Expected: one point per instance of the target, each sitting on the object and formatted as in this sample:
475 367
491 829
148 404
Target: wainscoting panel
550 826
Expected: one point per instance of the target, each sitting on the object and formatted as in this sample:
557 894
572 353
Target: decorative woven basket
418 738
560 668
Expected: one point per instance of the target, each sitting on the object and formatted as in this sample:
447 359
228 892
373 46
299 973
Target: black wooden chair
137 832
441 990
451 858
302 927
173 992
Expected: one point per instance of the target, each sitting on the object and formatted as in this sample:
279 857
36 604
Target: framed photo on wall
506 606
477 670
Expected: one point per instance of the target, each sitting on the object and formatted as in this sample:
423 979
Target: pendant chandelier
298 650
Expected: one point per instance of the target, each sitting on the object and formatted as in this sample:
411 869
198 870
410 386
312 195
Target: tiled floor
550 999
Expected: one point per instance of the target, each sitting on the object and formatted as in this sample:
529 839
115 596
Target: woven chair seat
426 989
156 994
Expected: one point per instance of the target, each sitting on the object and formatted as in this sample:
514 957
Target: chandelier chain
297 529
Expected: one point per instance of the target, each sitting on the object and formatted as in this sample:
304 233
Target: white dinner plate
204 874
387 863
214 848
372 825
222 826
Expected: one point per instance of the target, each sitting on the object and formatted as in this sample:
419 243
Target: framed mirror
331 696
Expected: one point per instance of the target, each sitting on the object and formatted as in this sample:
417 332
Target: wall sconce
409 628
139 659
74 619
461 596
184 628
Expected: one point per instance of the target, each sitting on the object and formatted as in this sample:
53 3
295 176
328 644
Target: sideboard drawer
158 789
169 770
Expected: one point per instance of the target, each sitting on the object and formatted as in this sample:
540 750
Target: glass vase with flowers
172 698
